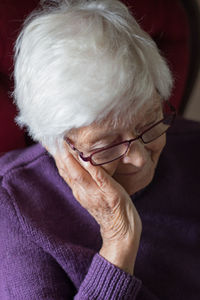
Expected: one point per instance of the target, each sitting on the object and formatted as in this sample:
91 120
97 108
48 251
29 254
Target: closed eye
101 147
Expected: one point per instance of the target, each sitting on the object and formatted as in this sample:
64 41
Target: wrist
120 254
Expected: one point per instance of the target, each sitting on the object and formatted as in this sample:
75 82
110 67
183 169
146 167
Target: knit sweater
49 243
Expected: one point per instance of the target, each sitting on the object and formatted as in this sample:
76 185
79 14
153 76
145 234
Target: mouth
127 174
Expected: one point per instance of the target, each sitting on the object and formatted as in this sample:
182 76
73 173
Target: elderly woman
92 89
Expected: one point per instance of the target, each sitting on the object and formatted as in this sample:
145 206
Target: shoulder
183 143
183 127
33 191
24 177
30 179
16 160
179 164
184 136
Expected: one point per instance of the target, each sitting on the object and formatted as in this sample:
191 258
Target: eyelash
139 130
118 139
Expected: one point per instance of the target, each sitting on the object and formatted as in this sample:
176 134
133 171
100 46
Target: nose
137 155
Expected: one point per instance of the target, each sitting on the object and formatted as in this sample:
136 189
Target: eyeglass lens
110 154
157 130
115 152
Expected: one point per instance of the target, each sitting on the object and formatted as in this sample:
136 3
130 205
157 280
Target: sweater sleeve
106 281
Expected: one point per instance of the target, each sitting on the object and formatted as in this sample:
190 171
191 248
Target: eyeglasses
116 151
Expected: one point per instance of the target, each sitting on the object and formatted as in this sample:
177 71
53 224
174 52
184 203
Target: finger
84 188
97 174
62 172
75 174
103 180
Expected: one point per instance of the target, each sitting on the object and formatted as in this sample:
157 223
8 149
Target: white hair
77 61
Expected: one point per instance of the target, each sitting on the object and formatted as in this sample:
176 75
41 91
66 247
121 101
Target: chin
137 187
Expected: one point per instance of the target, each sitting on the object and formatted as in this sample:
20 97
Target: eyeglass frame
173 113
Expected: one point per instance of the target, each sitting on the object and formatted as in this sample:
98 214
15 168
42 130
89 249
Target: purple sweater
49 244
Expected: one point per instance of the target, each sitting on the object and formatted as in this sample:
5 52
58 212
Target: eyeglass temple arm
79 153
173 109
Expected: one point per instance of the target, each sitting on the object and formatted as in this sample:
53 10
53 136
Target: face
136 169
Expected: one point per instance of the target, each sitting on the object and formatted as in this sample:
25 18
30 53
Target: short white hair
77 61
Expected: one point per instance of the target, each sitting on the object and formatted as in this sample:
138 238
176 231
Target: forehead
108 128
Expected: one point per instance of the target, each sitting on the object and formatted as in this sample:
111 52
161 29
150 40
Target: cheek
111 167
156 147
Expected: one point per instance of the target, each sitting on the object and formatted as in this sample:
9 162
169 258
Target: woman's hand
108 202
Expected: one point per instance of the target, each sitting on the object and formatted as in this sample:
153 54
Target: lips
127 174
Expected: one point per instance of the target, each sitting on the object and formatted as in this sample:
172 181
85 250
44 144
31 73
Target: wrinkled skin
104 191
